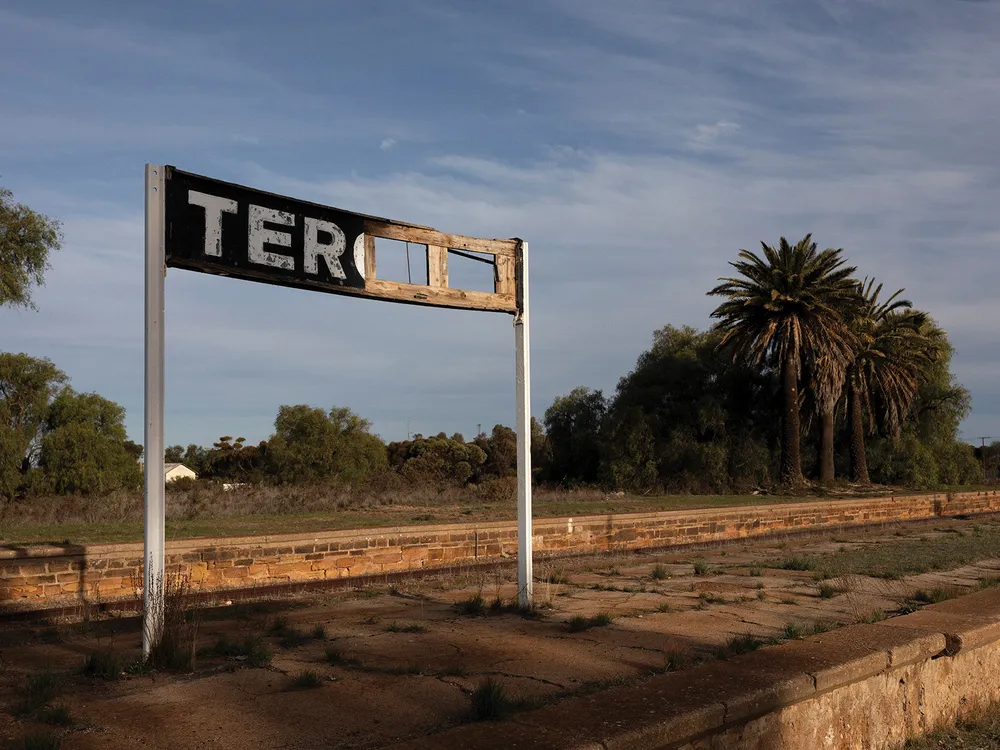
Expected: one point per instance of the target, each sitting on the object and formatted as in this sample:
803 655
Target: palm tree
828 374
782 312
893 343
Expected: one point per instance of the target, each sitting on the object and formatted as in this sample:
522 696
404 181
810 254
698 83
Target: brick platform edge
44 576
863 686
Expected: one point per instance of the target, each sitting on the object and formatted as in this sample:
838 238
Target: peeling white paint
359 255
214 208
313 248
258 235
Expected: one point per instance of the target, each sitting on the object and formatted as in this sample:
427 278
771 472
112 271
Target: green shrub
798 563
104 663
580 623
490 701
474 605
660 573
306 680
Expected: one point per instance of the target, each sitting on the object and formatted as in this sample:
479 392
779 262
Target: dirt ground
371 667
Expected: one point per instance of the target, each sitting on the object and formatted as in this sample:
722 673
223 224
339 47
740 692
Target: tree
437 459
310 444
26 239
85 449
573 426
892 347
688 419
27 385
783 311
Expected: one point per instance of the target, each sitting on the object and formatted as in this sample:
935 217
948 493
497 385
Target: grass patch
307 679
45 740
828 591
580 623
660 573
979 730
935 595
894 559
57 716
105 663
701 568
491 701
336 657
709 598
789 600
665 607
739 644
793 631
394 627
250 650
318 632
37 692
798 563
474 605
755 571
761 595
876 615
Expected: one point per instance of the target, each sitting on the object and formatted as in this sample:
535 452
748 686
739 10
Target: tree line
808 372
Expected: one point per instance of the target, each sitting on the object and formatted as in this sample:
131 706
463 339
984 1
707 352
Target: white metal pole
522 348
153 580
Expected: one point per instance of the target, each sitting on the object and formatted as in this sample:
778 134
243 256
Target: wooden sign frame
211 226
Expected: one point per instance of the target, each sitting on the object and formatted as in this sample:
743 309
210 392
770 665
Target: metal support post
522 347
153 571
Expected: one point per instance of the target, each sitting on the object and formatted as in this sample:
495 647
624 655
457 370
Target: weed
56 716
739 644
137 667
279 625
454 671
664 607
988 583
789 600
472 606
755 571
174 650
336 657
793 631
711 598
798 563
497 604
557 577
759 586
700 568
660 573
319 631
40 741
581 623
490 701
876 615
761 595
250 650
933 596
395 627
104 663
828 591
821 627
38 691
307 679
675 658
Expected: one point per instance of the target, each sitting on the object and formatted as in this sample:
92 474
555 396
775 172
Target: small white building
173 472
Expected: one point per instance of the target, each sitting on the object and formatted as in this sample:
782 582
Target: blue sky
637 145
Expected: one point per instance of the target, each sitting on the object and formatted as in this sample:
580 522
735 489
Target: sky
637 145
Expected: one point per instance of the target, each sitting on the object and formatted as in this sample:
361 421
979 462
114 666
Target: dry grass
204 509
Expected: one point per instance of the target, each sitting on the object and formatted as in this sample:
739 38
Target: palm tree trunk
791 458
856 420
826 452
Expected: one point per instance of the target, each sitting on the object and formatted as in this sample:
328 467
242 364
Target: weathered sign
221 228
227 229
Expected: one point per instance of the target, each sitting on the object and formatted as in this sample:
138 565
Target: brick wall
45 576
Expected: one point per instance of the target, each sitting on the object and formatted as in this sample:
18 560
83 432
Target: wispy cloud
637 147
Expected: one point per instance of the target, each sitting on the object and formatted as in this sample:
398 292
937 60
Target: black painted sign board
221 228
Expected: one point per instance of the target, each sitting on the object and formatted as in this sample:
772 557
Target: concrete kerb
686 709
